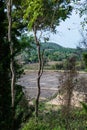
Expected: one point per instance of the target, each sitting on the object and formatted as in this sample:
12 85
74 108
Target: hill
53 52
50 45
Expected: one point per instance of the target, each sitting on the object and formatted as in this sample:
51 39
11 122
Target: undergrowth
50 119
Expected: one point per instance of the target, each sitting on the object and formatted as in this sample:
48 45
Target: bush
32 125
55 120
57 66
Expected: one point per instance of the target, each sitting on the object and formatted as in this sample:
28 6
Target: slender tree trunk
38 82
40 72
9 10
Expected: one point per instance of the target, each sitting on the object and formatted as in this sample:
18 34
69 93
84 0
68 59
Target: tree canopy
45 14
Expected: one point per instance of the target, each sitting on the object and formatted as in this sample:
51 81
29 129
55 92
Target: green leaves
45 14
33 11
84 105
85 58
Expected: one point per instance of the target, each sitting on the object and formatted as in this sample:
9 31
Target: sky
68 33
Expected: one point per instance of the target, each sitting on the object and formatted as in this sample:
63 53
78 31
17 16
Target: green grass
51 119
53 65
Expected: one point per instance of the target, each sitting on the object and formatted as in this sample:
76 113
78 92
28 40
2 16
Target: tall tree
5 58
9 15
42 15
5 97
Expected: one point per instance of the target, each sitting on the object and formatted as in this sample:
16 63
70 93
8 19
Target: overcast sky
68 33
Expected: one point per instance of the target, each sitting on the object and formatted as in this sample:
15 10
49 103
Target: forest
53 52
43 85
55 56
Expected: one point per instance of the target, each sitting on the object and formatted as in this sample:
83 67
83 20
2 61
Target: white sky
68 33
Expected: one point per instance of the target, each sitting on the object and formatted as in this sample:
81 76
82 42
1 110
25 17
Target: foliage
27 47
84 105
22 110
5 98
85 58
54 120
38 15
58 66
35 126
53 52
5 57
68 81
82 7
45 14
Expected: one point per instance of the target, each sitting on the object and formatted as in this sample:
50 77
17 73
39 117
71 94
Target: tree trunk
38 82
9 10
40 72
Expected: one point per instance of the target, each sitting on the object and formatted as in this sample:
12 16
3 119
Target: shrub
57 66
32 125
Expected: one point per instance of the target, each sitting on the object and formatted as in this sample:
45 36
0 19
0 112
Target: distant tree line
53 52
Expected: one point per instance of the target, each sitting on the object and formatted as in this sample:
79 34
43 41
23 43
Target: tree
5 98
82 7
43 15
27 46
67 84
5 73
9 15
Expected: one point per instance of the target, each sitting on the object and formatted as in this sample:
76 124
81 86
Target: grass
51 119
48 66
